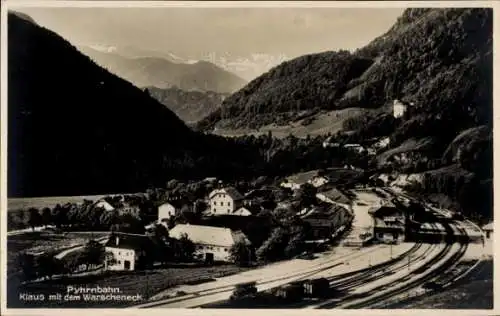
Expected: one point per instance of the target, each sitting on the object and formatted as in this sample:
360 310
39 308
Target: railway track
429 277
379 299
318 268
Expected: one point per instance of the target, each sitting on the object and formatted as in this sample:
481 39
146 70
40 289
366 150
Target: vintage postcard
255 155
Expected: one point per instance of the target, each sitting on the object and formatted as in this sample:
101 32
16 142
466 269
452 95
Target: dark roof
178 203
129 241
231 191
385 210
259 193
323 212
336 195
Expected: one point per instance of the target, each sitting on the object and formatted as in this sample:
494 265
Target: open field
51 201
44 241
322 123
145 283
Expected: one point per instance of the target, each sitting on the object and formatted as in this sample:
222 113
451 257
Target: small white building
124 251
488 229
355 147
399 108
327 143
318 181
295 182
212 243
104 204
242 211
225 201
165 211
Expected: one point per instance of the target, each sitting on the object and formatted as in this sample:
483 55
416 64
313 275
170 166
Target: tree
307 195
35 219
93 253
48 266
161 240
272 249
72 261
240 253
184 248
27 265
46 216
296 245
199 207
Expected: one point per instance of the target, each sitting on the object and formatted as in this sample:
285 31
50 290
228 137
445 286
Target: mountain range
164 71
246 66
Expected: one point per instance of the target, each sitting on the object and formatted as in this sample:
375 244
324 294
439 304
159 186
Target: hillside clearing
321 124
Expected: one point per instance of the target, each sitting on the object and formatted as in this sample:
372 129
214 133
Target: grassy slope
323 123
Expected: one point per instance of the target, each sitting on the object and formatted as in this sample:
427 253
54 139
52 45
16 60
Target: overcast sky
290 31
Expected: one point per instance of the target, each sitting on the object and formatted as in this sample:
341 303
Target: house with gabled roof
296 181
335 196
326 221
127 252
169 209
212 243
225 201
102 203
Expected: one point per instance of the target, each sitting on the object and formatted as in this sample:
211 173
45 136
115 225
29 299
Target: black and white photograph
322 155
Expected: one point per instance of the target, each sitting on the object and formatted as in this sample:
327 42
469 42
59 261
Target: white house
212 243
124 251
399 108
165 211
224 201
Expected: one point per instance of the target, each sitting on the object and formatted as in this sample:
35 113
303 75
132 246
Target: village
299 217
224 228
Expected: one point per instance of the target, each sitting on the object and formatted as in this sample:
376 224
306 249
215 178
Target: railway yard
379 275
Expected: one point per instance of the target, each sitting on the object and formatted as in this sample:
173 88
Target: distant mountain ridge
164 72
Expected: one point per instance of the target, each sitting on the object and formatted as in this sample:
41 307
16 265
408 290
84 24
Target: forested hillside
440 59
